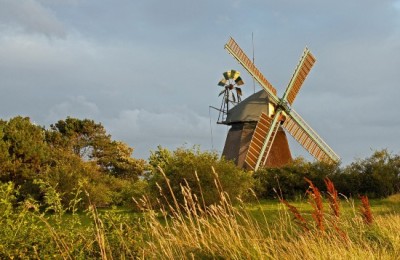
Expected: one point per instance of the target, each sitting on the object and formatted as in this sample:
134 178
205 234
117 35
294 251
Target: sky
148 69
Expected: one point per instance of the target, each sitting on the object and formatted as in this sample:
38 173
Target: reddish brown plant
333 197
366 210
315 199
334 204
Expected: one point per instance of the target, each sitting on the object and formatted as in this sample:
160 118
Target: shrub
377 176
193 168
289 180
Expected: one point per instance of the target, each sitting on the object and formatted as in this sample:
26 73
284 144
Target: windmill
278 114
231 92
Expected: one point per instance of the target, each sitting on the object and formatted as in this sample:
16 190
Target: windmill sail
231 74
262 140
308 138
239 81
234 49
222 82
303 68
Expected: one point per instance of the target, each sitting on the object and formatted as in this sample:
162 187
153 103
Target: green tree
83 137
5 160
90 141
377 175
75 154
115 158
160 158
25 153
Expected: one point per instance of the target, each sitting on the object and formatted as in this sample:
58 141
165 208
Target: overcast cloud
147 70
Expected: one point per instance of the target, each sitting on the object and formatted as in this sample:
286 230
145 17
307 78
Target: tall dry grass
192 231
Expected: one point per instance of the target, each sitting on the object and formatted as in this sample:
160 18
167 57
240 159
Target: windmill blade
222 82
303 68
262 140
239 81
233 48
308 138
231 74
235 74
227 75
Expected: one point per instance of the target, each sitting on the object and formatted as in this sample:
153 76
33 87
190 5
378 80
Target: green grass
272 208
265 210
86 219
267 230
257 230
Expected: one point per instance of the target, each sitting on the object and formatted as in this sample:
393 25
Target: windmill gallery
257 135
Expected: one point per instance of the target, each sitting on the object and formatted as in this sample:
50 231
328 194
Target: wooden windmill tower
256 133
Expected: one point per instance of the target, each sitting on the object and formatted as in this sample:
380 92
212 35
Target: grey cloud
170 129
77 106
31 16
148 69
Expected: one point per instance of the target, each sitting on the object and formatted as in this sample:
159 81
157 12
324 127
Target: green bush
288 181
181 167
377 176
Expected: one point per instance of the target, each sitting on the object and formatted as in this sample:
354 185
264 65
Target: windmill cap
249 110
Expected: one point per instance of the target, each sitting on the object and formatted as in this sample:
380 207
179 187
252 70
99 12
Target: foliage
74 154
160 158
377 176
27 233
194 168
90 141
25 154
48 175
288 181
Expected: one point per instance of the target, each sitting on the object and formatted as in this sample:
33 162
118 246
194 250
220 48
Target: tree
115 158
377 175
81 136
160 158
25 153
5 160
90 141
72 154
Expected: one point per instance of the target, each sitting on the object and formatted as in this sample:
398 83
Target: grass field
267 230
266 211
273 208
257 230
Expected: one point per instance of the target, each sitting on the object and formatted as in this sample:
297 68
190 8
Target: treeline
71 155
75 156
377 176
